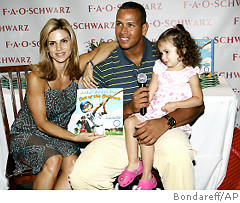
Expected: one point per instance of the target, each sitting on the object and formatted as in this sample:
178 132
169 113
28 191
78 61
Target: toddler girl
174 84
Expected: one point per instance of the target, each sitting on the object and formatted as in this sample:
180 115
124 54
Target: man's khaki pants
105 158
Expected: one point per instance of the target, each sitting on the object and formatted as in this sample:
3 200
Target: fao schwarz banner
94 22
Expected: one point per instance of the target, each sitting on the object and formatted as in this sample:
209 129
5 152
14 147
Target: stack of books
207 76
208 81
5 82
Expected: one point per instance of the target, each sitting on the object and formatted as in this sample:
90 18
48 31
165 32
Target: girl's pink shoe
126 177
147 184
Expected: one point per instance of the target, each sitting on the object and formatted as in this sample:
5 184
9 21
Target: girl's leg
46 178
147 153
131 143
66 167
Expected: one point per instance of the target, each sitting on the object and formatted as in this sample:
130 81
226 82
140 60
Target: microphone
142 81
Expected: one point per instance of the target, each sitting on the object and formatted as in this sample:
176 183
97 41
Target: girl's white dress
172 86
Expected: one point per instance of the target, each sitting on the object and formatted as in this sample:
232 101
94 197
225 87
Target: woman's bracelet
90 61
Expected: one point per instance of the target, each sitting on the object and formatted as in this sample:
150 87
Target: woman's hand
87 137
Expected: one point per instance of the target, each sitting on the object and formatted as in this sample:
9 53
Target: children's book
100 111
206 47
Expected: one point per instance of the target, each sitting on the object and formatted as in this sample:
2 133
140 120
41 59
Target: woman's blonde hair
45 66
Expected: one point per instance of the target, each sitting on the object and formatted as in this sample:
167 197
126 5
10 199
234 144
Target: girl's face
59 46
169 55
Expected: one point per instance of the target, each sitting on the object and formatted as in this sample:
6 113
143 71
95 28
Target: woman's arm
37 105
96 56
36 88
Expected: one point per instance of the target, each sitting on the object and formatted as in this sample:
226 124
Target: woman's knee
68 163
53 164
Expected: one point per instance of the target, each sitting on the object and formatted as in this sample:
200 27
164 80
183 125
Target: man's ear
145 28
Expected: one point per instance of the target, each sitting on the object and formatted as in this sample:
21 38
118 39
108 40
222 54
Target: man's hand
150 131
139 100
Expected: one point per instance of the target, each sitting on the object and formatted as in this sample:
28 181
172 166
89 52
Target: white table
211 138
212 135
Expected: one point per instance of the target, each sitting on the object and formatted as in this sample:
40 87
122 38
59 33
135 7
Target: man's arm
186 115
150 131
96 56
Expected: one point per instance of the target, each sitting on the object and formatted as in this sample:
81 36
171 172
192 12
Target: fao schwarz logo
36 11
211 4
22 44
230 75
107 8
14 60
185 22
236 57
14 28
237 91
110 7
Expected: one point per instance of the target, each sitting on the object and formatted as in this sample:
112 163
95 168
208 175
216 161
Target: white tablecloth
211 138
212 135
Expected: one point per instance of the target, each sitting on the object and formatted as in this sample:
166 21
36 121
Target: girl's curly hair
186 46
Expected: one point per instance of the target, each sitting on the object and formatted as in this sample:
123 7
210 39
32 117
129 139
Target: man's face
129 31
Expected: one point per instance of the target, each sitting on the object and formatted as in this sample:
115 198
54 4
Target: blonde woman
39 136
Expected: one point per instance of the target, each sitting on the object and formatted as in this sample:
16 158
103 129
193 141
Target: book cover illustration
206 47
100 111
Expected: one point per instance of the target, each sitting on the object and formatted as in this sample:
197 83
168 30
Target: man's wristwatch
171 121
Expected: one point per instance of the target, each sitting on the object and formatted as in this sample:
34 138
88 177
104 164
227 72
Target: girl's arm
194 101
96 56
